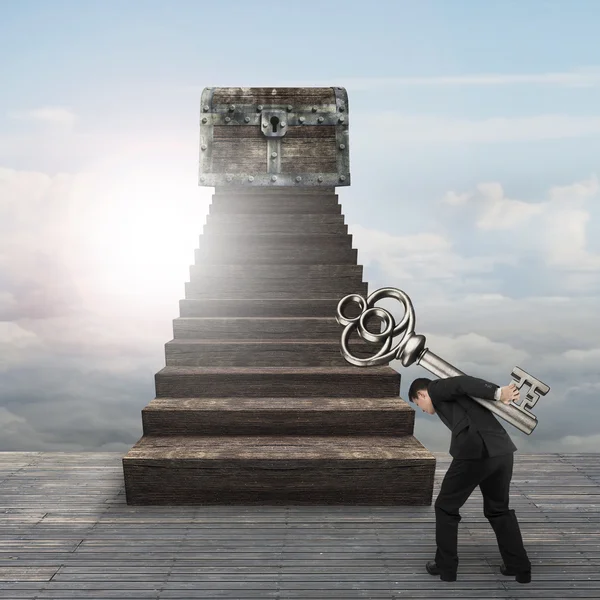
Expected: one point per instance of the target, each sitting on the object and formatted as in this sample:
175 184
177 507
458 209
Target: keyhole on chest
275 123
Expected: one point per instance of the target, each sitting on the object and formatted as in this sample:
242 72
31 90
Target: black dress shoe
433 569
520 576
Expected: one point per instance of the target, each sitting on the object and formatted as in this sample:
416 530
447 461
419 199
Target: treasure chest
274 137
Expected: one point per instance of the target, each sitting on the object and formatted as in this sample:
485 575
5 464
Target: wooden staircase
256 404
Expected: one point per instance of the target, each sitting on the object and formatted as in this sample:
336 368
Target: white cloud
587 188
7 301
582 77
502 212
556 227
473 350
420 256
54 115
590 357
454 199
395 128
16 345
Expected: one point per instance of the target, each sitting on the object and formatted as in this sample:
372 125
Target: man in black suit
482 454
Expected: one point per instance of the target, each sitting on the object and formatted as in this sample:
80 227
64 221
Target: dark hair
417 385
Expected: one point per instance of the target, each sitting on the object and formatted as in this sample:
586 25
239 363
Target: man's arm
448 389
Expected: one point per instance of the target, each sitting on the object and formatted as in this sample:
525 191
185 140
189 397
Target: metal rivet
320 119
342 178
283 123
229 177
227 119
319 179
342 108
204 120
314 109
274 91
206 108
251 178
301 119
203 147
273 177
231 107
298 178
289 107
341 119
202 178
259 108
273 154
265 124
247 119
342 146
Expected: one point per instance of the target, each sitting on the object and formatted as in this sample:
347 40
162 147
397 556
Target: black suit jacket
472 425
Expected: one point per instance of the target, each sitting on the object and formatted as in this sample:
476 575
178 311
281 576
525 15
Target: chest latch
273 123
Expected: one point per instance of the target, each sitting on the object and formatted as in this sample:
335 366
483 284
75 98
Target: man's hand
509 393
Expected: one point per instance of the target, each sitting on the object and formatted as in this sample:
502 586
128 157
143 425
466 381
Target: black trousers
493 476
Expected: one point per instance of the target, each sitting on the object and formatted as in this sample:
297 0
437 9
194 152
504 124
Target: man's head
418 394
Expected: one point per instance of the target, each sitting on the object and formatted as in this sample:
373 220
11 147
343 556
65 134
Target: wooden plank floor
66 532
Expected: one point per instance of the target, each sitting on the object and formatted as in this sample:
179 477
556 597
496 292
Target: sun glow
139 226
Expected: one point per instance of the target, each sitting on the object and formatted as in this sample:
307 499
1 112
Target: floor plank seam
495 574
580 469
381 553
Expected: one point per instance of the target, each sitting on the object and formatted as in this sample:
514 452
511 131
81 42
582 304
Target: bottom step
276 470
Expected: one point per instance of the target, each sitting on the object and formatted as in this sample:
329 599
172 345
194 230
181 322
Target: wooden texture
264 279
274 241
262 353
238 150
240 155
303 252
276 249
299 201
254 307
278 469
277 289
275 223
257 328
254 96
264 273
66 532
309 150
278 416
256 382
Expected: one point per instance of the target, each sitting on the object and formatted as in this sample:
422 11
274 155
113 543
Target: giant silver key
411 349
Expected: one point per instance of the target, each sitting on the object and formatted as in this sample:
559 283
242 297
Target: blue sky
474 144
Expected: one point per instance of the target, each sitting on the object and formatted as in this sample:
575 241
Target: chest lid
274 137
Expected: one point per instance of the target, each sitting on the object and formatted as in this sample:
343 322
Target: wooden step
277 271
261 307
278 204
278 416
264 353
324 241
307 254
281 470
258 382
298 193
226 288
263 279
275 223
257 328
